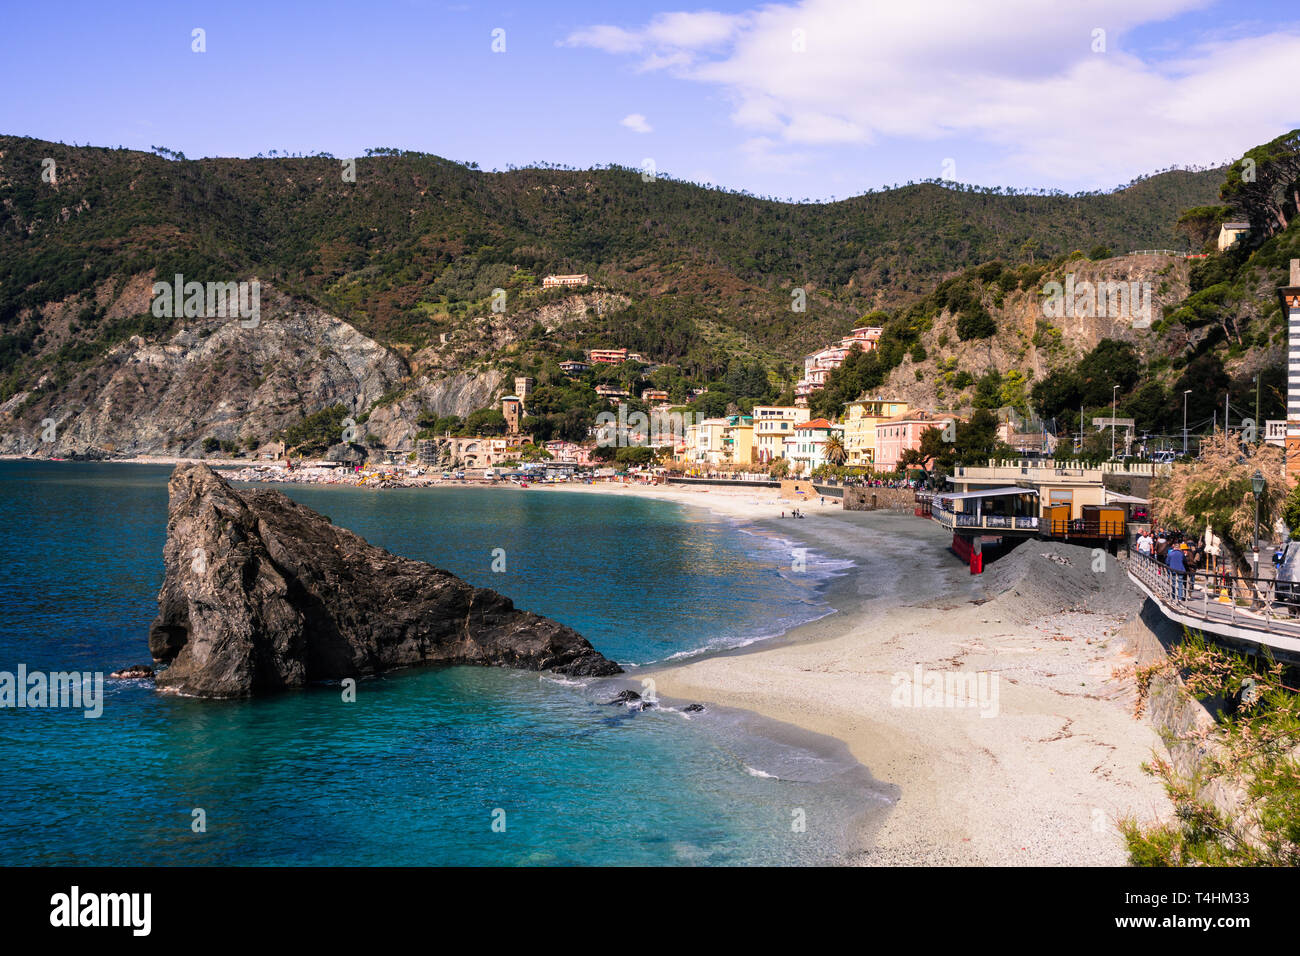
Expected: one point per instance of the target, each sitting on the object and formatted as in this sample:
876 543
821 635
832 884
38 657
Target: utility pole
1185 394
1114 390
1258 429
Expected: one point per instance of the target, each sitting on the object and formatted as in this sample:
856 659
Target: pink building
897 435
817 367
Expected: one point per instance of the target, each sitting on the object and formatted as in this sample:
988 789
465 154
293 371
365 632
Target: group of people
1174 550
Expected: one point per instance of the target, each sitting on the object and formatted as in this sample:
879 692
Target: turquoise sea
419 769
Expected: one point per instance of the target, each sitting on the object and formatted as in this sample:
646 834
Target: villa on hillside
818 366
573 367
1231 232
607 356
553 282
612 392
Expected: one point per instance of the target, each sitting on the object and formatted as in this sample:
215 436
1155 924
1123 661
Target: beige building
552 282
1059 482
704 446
860 420
1230 232
773 424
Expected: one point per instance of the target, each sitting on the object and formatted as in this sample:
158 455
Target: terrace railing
1216 598
952 519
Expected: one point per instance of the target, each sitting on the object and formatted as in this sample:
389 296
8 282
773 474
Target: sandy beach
1033 763
1043 778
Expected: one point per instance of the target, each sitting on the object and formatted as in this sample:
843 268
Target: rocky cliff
262 594
1032 341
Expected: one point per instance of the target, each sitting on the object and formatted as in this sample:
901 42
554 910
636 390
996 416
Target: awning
989 493
1114 497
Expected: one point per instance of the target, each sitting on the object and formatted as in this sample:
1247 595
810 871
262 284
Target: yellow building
738 440
860 420
773 424
704 448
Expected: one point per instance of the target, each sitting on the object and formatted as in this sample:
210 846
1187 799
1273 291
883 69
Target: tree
1265 186
1200 224
975 323
486 421
835 451
912 458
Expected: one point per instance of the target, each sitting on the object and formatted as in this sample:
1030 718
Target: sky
809 99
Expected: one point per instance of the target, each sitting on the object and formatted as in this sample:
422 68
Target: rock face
208 378
262 594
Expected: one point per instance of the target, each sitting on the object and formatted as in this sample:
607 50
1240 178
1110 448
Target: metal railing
960 519
1085 528
1216 597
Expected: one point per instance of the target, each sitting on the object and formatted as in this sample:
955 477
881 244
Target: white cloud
636 123
1014 75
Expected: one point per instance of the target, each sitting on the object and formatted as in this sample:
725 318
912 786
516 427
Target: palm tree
835 450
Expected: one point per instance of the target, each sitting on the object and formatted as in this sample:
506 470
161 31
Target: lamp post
1257 486
1114 390
1185 394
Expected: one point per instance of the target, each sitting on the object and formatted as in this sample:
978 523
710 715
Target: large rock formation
262 594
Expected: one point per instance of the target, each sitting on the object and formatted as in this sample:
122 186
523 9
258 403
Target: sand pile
1042 578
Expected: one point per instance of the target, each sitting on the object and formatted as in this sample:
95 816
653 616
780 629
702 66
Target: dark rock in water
262 594
624 697
693 709
134 672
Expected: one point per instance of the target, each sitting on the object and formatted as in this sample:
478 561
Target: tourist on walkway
1144 544
1178 565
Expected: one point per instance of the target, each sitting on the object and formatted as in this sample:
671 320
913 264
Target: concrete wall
868 499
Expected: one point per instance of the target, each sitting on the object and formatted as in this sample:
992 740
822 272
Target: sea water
429 766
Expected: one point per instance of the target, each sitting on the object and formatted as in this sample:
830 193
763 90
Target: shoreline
1042 783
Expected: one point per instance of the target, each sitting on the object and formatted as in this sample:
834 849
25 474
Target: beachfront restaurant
1002 510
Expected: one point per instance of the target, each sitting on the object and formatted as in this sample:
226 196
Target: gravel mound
1041 578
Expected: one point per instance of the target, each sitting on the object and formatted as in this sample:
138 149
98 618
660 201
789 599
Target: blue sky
811 98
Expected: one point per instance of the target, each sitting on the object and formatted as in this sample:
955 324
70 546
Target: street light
1185 394
1257 486
1114 390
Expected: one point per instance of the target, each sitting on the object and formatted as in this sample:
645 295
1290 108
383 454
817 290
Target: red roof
815 423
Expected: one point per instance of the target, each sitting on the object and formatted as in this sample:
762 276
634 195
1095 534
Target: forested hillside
409 254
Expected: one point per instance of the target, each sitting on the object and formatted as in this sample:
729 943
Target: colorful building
738 440
704 447
818 365
860 420
807 446
897 435
773 424
607 356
